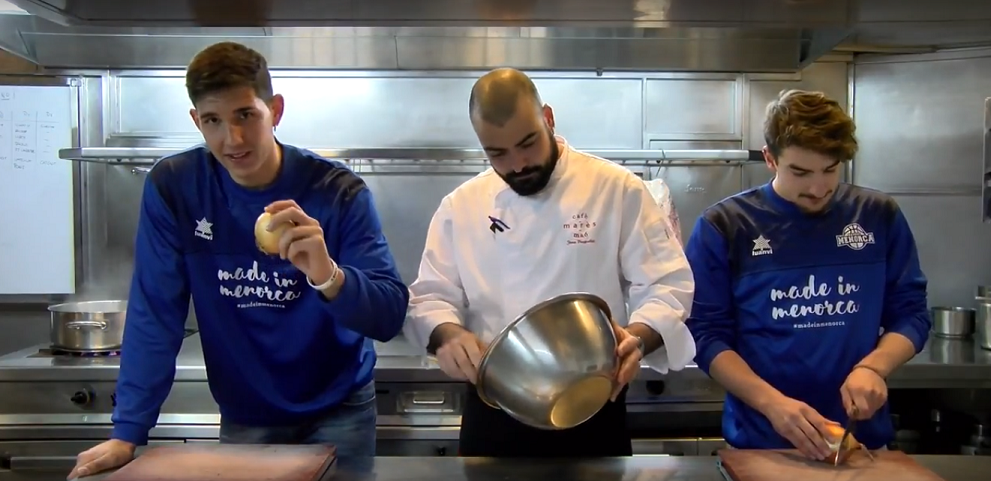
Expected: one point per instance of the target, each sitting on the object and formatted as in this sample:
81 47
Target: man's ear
196 118
548 115
278 107
769 160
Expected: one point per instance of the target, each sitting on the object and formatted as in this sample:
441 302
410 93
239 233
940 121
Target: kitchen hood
643 35
447 13
669 35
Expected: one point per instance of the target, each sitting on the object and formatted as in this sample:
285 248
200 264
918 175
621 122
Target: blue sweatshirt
802 298
276 351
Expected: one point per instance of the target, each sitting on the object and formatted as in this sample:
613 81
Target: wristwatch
641 346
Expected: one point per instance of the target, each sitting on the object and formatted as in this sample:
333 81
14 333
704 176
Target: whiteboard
37 214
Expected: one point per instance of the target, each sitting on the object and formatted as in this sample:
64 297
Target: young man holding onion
545 220
795 280
283 254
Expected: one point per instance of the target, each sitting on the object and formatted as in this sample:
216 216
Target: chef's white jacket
491 254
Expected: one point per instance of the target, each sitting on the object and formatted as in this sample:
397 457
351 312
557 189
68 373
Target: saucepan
982 318
952 322
554 366
90 326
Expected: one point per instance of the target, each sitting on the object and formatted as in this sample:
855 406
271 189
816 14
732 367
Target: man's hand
303 242
628 358
102 457
864 390
799 424
460 353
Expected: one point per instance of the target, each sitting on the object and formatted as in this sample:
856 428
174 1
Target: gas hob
42 363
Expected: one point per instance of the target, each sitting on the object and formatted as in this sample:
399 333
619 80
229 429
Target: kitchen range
57 403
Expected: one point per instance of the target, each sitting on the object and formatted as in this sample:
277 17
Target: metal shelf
148 156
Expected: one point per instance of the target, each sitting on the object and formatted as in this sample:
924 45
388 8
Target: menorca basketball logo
855 237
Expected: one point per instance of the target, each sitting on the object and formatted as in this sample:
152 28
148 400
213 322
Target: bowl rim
568 296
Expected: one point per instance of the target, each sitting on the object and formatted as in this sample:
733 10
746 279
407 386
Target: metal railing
148 156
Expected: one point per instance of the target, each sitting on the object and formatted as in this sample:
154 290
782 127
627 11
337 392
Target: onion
268 242
833 434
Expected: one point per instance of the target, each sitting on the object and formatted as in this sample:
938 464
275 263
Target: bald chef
545 220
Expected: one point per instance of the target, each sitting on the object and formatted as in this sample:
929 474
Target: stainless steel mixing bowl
554 366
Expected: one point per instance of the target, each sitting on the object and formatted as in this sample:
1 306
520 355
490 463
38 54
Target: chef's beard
532 180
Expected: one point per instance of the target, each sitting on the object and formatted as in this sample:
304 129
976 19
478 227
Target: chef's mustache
523 173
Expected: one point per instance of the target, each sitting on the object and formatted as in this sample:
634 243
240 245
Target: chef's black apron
490 432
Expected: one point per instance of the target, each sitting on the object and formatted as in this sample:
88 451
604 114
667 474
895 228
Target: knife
850 424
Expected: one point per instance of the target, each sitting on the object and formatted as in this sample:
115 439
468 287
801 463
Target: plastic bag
662 196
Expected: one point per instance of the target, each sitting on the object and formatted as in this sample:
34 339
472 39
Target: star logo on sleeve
762 247
204 229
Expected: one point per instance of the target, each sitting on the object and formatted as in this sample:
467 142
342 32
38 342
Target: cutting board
790 465
229 462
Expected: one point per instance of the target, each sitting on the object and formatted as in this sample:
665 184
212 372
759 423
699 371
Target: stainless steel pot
554 366
88 326
952 322
982 328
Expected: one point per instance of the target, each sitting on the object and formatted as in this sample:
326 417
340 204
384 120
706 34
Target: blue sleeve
157 308
712 320
905 308
373 299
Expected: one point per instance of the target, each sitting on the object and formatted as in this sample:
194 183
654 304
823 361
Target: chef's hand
303 242
799 424
459 353
102 457
865 390
628 356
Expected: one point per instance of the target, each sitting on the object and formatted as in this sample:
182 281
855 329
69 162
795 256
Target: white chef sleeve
436 296
661 283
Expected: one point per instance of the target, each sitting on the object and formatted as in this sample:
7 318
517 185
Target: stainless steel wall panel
367 112
689 109
921 123
952 243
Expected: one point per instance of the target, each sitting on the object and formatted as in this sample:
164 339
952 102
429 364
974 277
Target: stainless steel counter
943 364
647 468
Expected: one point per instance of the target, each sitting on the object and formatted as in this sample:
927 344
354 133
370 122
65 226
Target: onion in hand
268 241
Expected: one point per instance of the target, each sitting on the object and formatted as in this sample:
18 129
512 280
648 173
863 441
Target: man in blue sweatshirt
794 281
286 337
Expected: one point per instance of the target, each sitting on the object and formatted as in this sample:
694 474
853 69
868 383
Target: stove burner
64 352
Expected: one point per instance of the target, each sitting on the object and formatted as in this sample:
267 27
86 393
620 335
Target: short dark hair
226 65
812 121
